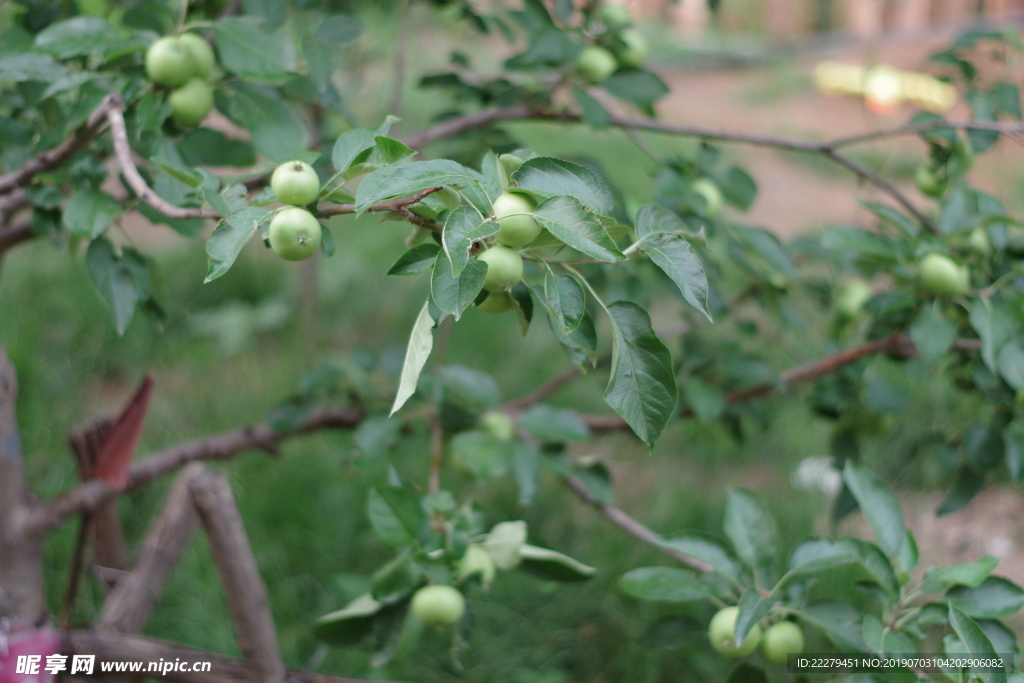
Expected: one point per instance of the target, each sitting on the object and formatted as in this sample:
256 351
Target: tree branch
116 647
15 235
72 145
218 447
898 345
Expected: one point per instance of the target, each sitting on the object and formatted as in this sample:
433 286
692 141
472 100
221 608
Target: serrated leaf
971 574
753 608
751 528
453 295
421 341
395 181
396 515
549 177
351 144
417 260
642 387
245 48
90 212
675 258
565 299
577 227
879 506
81 35
977 644
993 598
818 554
464 226
227 240
663 584
709 550
113 280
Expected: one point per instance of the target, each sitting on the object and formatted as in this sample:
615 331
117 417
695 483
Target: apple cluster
777 643
628 49
183 62
517 227
295 233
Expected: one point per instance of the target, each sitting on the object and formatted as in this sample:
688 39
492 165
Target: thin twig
436 453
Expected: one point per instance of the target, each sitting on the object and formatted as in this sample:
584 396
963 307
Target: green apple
477 561
614 16
722 630
780 641
596 64
201 51
711 194
514 211
927 182
634 51
496 303
979 241
504 268
170 62
942 276
438 605
295 234
498 424
295 183
851 297
191 103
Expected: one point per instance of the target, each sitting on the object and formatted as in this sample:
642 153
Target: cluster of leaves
954 610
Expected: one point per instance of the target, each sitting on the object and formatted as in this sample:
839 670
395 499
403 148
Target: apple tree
106 109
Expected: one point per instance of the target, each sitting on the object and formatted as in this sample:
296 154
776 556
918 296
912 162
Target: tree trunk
21 555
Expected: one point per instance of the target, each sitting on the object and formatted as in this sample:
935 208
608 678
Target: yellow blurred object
885 88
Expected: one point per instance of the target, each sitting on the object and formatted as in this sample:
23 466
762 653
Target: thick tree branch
15 235
72 145
218 447
116 647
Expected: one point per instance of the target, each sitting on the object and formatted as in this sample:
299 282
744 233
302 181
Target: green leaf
959 210
995 326
526 467
994 598
327 246
278 130
673 255
549 177
753 608
464 226
90 212
890 216
860 241
768 247
206 147
570 222
839 621
80 35
553 425
395 580
451 294
750 527
708 549
663 584
417 260
339 28
350 624
636 85
971 574
114 281
581 345
189 177
352 144
257 55
550 565
705 400
469 388
593 112
874 562
31 66
652 219
818 554
967 482
396 515
480 454
395 181
227 240
565 299
932 334
1010 363
1013 439
976 642
738 188
879 506
642 387
421 341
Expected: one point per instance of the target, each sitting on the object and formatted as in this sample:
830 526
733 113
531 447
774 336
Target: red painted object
115 457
